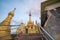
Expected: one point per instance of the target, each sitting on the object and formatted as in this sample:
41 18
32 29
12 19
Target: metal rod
9 25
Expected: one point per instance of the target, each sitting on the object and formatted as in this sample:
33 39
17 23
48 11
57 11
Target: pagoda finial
30 13
30 20
12 12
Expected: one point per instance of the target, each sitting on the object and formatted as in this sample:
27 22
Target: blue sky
22 10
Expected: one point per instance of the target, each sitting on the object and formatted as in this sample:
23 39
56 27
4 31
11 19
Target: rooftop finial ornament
29 13
12 12
14 8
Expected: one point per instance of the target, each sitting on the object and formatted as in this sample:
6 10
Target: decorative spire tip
30 13
14 8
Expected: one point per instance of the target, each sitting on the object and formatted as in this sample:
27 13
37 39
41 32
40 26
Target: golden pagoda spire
5 30
30 19
8 19
12 12
30 22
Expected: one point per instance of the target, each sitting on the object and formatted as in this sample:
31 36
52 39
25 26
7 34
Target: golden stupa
5 27
29 28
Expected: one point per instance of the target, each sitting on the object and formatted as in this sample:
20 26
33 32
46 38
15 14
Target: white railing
47 33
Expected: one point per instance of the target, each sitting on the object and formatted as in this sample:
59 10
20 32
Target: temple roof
47 3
